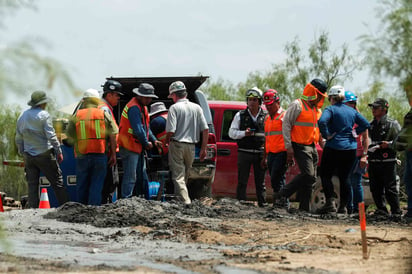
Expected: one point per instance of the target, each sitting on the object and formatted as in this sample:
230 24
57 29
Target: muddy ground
209 236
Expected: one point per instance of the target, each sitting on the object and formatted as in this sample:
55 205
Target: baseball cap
379 102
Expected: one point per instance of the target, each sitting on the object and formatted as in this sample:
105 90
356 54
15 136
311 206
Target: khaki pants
181 156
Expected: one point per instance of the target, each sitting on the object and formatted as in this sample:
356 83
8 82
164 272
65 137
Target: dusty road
223 236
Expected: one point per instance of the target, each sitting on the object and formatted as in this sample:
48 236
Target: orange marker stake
362 220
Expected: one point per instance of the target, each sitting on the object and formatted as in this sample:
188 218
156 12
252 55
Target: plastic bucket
152 190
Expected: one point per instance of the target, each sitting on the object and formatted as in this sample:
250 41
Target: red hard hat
270 96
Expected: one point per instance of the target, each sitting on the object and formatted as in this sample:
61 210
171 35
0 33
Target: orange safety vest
126 137
305 131
162 135
90 131
273 133
104 104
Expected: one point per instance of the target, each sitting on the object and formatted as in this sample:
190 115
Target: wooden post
362 220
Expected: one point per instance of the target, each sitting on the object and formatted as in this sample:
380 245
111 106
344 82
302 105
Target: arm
289 120
51 136
291 115
365 144
323 124
203 148
112 130
135 118
362 123
19 139
393 132
234 131
154 140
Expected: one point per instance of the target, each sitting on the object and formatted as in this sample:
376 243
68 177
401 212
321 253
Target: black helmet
112 86
320 85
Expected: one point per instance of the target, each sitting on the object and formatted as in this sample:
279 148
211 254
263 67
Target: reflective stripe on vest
126 136
105 104
90 131
305 130
274 142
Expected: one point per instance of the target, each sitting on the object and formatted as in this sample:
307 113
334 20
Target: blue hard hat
350 97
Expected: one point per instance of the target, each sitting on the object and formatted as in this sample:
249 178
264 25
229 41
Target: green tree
219 90
22 70
389 51
298 69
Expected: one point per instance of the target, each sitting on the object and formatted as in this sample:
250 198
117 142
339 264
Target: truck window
227 120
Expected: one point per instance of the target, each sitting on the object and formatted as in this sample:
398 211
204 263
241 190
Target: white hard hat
337 90
91 93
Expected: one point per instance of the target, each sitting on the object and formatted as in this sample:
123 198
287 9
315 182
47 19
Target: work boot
342 210
328 207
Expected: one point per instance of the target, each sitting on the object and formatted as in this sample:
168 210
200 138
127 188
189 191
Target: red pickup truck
226 168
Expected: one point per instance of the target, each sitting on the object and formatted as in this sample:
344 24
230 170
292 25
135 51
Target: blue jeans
407 178
356 188
90 172
134 170
277 170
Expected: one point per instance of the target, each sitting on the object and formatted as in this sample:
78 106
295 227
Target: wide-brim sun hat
156 108
145 90
37 98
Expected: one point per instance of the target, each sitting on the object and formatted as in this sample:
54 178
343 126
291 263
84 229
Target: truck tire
199 188
318 196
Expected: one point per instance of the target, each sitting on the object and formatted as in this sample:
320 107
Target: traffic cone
1 204
44 199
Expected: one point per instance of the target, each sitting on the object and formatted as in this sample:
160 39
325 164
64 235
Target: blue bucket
152 190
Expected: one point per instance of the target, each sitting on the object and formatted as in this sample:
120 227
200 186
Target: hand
331 136
384 144
249 132
290 155
59 158
264 163
158 144
363 162
112 160
202 154
149 146
322 142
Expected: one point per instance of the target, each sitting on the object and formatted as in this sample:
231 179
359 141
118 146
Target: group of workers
96 137
272 139
275 139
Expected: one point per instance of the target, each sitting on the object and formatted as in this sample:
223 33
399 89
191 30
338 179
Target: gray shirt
186 120
289 120
35 133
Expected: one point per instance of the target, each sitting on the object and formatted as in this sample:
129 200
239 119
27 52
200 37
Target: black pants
382 178
244 161
47 164
338 162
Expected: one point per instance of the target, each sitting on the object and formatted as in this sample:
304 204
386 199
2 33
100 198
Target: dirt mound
164 215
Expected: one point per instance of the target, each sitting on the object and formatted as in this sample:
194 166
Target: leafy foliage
389 51
290 77
12 179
